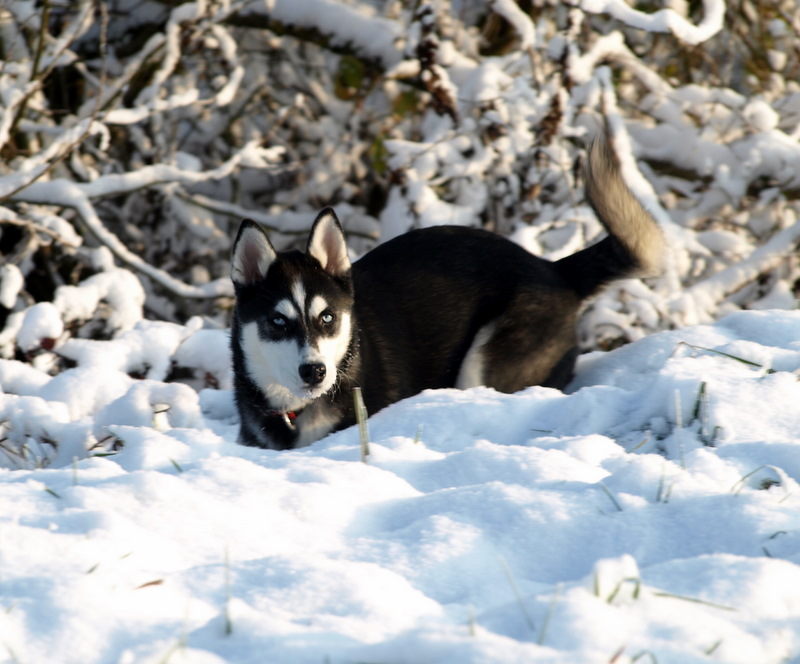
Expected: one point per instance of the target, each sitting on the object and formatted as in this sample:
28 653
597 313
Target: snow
483 527
41 321
341 22
12 282
522 23
664 20
648 514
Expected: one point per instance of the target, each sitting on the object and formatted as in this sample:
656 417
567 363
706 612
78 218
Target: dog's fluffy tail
635 245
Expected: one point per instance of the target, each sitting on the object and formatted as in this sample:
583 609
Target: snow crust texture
652 509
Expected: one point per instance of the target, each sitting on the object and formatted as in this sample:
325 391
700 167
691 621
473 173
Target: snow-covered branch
71 195
664 20
350 27
137 140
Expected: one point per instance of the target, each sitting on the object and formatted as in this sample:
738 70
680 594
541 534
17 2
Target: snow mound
652 511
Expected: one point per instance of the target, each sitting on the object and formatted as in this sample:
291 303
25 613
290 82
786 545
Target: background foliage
135 134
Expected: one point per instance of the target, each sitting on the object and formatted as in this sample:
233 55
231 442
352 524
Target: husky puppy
437 307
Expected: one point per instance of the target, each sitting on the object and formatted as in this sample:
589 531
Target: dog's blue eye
279 321
327 318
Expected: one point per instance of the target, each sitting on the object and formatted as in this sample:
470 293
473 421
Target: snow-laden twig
80 22
114 89
521 22
612 47
49 54
664 20
78 196
187 12
168 45
354 27
33 168
121 183
697 303
8 217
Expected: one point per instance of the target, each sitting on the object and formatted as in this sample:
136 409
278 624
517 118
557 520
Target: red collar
288 416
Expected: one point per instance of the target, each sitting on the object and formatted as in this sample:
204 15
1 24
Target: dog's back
423 299
437 307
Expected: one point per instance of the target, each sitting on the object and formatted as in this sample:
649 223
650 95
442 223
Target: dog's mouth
291 397
310 392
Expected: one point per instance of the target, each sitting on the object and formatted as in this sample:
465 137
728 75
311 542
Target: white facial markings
329 351
317 306
299 295
288 309
332 350
272 366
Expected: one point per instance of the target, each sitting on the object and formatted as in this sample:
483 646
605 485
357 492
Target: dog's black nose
312 374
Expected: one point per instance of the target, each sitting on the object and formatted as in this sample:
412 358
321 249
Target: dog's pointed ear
327 244
253 253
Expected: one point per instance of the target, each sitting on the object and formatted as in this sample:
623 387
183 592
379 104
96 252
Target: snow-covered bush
135 135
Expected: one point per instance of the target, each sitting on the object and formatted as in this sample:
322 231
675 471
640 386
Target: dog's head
294 311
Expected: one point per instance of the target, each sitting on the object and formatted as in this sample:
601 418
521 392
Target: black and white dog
438 307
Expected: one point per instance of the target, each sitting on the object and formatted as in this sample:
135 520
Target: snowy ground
650 515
